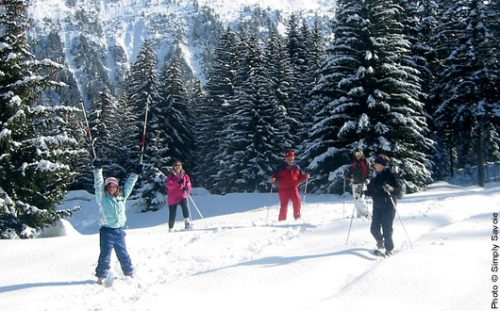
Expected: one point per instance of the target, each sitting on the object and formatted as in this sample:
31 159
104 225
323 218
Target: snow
230 9
233 260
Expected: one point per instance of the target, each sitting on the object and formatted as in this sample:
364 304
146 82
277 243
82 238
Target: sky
239 257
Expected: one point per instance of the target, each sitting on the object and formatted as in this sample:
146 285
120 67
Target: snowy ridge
232 259
98 40
229 9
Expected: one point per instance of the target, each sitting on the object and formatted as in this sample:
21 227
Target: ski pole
400 220
143 140
305 192
343 201
195 206
350 225
268 207
89 132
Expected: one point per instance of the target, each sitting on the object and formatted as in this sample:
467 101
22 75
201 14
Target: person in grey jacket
112 219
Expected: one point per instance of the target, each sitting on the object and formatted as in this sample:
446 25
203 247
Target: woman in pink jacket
178 188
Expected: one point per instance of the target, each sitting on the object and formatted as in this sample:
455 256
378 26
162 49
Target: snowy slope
233 260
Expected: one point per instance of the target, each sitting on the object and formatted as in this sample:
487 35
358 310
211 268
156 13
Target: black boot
380 245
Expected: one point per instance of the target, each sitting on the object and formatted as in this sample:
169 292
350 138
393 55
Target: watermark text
494 261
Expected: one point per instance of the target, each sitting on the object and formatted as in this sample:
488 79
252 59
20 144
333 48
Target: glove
181 180
138 168
96 163
185 189
388 188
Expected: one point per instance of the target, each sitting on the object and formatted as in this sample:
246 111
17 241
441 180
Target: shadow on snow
11 288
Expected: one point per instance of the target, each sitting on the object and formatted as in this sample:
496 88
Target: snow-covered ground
232 260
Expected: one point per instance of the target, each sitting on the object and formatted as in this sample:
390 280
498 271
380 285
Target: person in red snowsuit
288 177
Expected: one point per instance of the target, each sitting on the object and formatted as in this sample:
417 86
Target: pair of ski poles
395 209
143 145
195 206
143 139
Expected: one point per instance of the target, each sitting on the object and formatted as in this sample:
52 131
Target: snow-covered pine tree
80 165
247 150
283 95
469 80
176 113
129 142
143 94
296 46
35 147
366 98
196 98
214 107
419 20
9 223
105 121
294 43
316 55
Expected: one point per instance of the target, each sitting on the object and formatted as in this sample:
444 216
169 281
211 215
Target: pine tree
176 113
316 56
128 138
468 84
294 44
296 41
420 20
106 121
35 142
214 108
196 99
144 97
366 98
283 95
247 148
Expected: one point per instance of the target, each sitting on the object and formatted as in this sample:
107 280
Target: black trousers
173 210
381 227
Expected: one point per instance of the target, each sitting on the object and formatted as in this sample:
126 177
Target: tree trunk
452 161
480 158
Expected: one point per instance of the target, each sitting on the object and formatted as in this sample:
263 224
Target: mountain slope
99 39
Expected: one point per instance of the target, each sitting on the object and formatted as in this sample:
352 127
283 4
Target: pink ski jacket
177 191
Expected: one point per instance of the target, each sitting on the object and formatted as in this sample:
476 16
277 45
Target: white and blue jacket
112 209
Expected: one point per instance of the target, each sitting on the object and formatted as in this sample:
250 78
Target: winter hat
111 180
289 154
381 159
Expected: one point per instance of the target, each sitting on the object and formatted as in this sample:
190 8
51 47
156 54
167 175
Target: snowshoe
378 253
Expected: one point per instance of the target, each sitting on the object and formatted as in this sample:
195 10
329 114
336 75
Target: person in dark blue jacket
383 188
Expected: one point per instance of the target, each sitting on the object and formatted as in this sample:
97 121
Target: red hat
289 154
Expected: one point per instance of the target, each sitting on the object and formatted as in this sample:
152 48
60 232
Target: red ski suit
288 178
